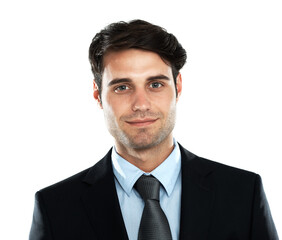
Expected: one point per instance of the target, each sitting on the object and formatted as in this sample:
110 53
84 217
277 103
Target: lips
141 122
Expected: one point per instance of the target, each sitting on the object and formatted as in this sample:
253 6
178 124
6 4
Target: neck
147 159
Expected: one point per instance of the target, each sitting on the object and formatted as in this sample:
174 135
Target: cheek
165 102
114 108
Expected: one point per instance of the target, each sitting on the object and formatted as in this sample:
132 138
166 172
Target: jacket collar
101 201
197 197
102 205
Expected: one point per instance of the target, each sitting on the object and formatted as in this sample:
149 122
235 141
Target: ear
96 94
178 86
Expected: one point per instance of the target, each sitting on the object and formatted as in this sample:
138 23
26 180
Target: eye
121 88
156 85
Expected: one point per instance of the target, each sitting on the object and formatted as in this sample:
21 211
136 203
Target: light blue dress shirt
131 203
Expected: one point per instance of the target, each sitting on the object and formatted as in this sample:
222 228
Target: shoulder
65 188
219 172
77 183
228 175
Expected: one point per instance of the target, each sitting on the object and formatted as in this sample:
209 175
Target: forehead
134 63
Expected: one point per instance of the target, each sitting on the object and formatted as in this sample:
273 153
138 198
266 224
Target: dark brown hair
135 34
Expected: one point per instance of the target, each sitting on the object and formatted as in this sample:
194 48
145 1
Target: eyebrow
158 77
128 80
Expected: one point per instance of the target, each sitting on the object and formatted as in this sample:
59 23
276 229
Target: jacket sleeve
40 229
263 227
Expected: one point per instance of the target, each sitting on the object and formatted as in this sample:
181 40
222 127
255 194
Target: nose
141 101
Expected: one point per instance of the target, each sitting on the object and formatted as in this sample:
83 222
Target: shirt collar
167 173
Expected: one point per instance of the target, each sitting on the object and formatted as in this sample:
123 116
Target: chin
141 140
143 143
142 146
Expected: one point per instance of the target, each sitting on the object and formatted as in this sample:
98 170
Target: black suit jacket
218 203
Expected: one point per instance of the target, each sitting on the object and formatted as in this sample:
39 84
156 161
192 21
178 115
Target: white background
51 128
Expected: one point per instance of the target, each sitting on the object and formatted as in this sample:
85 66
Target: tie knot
148 187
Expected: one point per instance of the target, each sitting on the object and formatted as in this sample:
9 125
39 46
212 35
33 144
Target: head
137 34
137 81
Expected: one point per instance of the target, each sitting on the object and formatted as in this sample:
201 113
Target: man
148 186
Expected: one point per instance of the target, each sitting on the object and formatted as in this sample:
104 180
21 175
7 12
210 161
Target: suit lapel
102 206
197 197
101 201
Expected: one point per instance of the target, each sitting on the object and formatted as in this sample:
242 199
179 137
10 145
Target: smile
141 122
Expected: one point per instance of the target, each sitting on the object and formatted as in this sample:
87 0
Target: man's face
138 98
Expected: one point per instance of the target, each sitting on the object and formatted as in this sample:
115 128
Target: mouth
141 122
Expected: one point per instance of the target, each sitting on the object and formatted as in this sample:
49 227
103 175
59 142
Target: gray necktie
154 224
